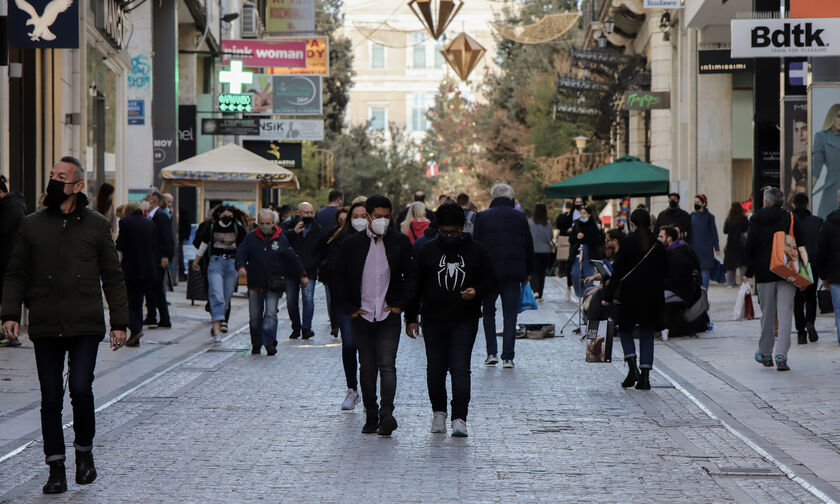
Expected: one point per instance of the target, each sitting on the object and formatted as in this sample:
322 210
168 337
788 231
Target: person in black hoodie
805 301
775 294
829 261
12 210
452 274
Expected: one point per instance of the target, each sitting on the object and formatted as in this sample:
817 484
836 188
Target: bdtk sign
776 38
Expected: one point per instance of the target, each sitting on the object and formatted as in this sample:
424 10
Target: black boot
644 380
802 337
57 482
85 471
812 332
371 425
632 373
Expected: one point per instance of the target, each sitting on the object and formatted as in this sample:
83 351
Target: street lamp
609 24
580 143
602 41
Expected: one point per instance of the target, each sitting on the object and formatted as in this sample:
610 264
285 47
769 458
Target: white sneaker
438 422
459 428
217 338
351 400
664 334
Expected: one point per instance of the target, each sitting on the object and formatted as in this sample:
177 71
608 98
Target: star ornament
463 54
435 15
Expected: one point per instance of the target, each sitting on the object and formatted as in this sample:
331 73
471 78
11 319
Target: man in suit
156 300
138 243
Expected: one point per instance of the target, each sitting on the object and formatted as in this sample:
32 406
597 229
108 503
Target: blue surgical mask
584 219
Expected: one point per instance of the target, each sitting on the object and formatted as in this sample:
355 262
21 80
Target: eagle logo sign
41 24
451 275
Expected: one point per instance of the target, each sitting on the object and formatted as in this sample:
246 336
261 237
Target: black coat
829 246
165 236
592 237
683 273
262 256
811 226
504 231
12 210
642 296
763 225
346 286
563 223
734 253
138 243
310 248
674 217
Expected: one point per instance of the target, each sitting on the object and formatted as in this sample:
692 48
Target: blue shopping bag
719 272
527 301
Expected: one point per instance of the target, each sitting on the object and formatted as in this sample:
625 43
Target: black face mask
308 220
698 207
226 220
451 242
55 194
673 203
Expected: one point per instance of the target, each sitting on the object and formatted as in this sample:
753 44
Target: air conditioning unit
249 24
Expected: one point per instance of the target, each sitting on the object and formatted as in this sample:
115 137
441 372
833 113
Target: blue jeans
221 280
625 331
835 300
705 276
262 311
348 348
294 290
509 290
580 271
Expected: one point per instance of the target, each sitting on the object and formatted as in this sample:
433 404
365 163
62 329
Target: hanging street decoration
435 15
548 28
463 54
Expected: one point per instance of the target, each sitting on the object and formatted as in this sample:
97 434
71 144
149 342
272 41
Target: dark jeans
156 299
805 307
331 311
377 343
509 290
262 317
542 261
137 290
49 359
294 292
348 348
449 347
625 331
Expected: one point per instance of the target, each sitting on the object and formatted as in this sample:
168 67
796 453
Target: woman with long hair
543 236
323 271
415 222
825 163
356 221
734 254
220 240
638 282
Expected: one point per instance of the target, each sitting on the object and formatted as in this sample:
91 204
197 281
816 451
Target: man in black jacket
370 281
452 274
138 243
12 210
829 261
805 301
674 216
156 304
61 257
682 285
308 239
774 293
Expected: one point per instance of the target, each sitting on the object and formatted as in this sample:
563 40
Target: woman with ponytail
637 284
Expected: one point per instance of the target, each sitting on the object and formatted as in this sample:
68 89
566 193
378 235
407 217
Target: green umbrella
626 176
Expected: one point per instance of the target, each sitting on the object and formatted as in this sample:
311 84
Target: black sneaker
271 349
812 333
148 321
294 335
308 334
134 339
387 425
802 338
165 325
334 332
256 351
371 426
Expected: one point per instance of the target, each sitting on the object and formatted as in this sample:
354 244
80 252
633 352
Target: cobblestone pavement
224 426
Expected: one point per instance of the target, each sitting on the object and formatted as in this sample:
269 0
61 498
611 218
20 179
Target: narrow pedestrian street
183 420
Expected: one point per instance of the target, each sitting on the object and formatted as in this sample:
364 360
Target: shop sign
290 129
664 4
44 24
136 112
235 102
289 16
776 38
719 61
285 155
187 141
266 53
249 126
111 21
297 95
317 59
646 100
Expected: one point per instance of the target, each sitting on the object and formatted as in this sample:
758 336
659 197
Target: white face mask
359 224
145 205
379 226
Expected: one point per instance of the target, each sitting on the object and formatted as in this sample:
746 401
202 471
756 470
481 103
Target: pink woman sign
258 53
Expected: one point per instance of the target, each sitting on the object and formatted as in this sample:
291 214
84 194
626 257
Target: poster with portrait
824 118
795 147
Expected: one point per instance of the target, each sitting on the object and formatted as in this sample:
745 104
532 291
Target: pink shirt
375 280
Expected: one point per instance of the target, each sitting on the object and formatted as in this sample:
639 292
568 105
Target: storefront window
101 158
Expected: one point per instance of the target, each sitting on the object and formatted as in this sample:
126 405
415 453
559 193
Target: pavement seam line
735 432
123 395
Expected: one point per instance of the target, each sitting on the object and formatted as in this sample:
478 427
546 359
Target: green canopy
626 176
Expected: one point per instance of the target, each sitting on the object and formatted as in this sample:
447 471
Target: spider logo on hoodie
451 275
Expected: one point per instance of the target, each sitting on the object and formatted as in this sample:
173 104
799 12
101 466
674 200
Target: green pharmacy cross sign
235 77
235 102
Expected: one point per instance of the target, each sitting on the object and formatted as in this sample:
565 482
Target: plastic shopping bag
738 310
527 301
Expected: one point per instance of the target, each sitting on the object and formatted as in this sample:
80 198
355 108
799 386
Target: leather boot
85 471
644 380
632 373
57 482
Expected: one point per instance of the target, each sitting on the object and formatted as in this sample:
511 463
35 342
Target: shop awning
626 176
229 163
